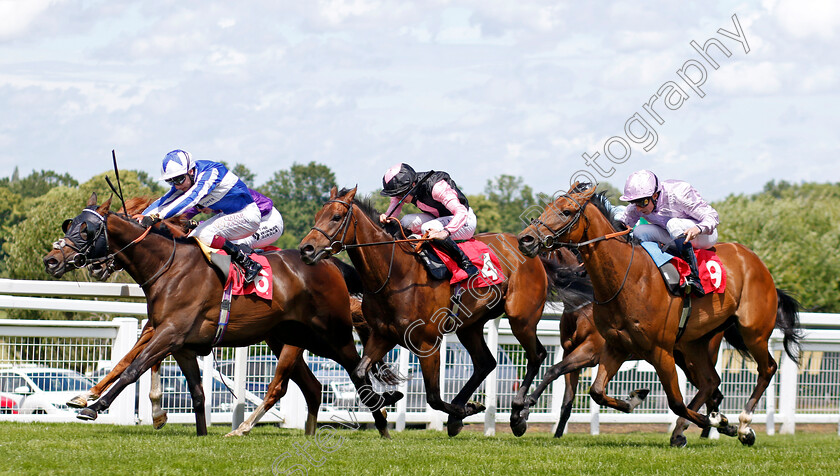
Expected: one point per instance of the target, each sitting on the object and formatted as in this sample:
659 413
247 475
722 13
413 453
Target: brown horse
309 309
582 343
404 305
300 373
644 323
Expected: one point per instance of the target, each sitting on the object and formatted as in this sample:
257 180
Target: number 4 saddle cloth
490 271
712 272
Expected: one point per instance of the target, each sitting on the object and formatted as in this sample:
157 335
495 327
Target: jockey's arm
444 194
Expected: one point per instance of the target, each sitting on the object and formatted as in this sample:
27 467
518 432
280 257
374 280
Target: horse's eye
336 217
567 213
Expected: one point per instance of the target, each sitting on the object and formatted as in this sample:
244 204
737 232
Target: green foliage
298 193
512 198
795 230
37 183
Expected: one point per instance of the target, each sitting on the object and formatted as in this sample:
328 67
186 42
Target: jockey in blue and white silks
211 187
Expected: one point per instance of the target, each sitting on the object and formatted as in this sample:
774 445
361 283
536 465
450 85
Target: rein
550 241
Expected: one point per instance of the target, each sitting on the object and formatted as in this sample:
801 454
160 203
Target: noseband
337 246
550 241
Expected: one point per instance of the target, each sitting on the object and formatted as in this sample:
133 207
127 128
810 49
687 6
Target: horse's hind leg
525 331
187 361
766 368
699 367
287 360
666 369
159 417
568 401
472 338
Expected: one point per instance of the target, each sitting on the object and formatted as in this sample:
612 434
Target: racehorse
404 305
642 319
300 373
582 343
309 309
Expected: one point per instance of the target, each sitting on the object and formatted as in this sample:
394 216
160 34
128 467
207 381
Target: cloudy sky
477 88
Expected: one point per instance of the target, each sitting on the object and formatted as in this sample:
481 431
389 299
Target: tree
37 183
513 198
298 193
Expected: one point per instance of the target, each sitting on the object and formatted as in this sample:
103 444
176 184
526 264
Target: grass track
70 448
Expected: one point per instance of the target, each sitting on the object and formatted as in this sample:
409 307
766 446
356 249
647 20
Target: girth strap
224 314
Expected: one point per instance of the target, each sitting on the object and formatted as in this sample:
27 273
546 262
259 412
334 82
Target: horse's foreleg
535 353
472 338
375 349
582 356
610 362
430 366
311 388
286 361
666 369
80 401
568 402
187 361
162 343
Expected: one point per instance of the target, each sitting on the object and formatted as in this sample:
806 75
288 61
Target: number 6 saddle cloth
262 286
712 272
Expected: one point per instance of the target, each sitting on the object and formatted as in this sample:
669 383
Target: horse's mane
366 206
603 204
169 228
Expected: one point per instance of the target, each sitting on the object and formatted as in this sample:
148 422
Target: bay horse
582 344
300 373
309 309
404 305
638 317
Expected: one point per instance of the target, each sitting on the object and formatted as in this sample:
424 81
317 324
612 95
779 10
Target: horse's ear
351 194
333 192
103 209
92 200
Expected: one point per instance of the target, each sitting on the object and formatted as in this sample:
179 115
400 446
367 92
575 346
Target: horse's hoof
748 439
519 427
729 430
392 398
705 432
678 441
454 426
718 420
384 433
474 407
235 432
77 402
86 414
159 420
641 394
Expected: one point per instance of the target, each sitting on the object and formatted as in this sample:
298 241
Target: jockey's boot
692 281
452 249
240 254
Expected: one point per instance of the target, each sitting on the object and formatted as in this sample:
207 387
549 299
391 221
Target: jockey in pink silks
677 214
447 215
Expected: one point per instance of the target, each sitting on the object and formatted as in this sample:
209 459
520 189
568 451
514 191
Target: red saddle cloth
712 273
490 271
262 286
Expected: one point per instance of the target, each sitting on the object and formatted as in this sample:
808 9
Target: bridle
95 248
337 246
550 241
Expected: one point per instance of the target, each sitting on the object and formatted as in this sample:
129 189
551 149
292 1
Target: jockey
211 187
677 215
447 215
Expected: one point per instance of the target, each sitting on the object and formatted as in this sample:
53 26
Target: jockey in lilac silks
677 215
211 187
446 213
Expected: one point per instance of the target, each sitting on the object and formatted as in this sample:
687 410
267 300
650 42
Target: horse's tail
787 320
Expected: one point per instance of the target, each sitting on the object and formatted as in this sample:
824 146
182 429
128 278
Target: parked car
8 406
41 390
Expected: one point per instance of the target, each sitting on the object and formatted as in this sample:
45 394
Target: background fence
808 393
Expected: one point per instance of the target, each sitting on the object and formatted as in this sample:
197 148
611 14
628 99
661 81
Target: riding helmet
178 162
398 180
640 184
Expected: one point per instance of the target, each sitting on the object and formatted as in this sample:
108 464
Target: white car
42 390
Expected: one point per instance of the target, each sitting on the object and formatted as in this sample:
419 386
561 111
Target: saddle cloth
712 272
262 286
490 271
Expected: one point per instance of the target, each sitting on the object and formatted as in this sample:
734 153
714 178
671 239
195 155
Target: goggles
176 180
642 202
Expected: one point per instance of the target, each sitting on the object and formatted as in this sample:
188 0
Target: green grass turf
70 448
